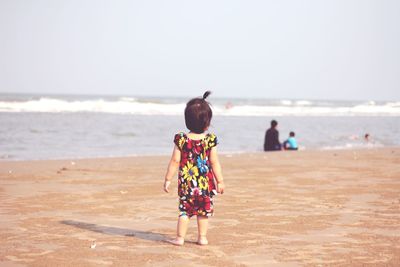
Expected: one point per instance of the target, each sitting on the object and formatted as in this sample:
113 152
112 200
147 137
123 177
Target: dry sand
305 208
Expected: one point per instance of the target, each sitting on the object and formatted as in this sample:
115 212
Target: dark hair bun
206 94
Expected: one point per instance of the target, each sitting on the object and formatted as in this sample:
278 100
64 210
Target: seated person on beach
271 142
290 143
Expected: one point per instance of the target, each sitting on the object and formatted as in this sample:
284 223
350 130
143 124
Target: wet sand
305 208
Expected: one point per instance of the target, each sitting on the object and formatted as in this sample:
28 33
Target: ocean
70 126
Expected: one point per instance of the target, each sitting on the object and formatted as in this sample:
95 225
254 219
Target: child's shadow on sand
109 230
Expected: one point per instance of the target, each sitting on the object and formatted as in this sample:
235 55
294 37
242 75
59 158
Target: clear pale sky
338 49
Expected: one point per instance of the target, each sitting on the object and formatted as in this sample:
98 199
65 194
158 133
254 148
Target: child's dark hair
274 123
198 114
291 134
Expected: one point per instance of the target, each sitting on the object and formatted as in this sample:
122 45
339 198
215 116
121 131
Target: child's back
196 185
291 143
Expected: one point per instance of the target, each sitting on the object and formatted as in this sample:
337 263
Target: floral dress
196 183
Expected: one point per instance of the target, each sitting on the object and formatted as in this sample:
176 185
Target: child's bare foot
178 241
202 240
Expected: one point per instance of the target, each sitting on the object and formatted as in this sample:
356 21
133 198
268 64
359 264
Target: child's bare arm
172 167
216 166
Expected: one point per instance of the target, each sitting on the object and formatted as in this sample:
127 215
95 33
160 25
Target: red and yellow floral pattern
196 183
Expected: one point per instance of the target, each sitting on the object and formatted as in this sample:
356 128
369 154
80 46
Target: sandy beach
305 208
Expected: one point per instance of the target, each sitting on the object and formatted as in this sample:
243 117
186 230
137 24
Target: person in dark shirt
271 141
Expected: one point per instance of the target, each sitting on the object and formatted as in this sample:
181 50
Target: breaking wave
129 105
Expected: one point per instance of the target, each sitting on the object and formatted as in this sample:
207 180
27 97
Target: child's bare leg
183 223
202 225
181 230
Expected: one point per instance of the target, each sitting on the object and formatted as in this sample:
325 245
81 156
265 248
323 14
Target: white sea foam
286 102
122 106
358 110
303 103
393 104
127 105
352 146
127 99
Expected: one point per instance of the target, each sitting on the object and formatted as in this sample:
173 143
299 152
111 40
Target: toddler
290 143
195 153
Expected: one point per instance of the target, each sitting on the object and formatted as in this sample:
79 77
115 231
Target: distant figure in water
228 105
366 137
290 143
271 142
